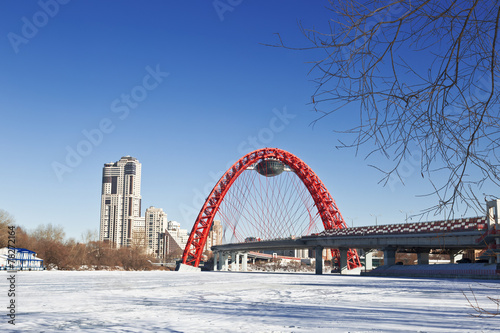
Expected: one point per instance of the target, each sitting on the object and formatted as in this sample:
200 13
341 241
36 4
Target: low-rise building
19 259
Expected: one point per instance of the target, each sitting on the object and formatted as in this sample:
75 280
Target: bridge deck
468 224
459 233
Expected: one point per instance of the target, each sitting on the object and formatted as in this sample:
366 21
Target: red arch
330 215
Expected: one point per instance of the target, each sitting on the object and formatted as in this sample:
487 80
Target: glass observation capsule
270 168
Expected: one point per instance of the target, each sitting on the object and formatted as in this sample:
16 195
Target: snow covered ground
161 301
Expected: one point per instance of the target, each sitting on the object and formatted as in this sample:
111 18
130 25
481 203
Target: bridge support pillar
368 261
319 259
236 262
216 261
244 262
225 257
422 258
389 256
219 260
343 261
233 261
493 214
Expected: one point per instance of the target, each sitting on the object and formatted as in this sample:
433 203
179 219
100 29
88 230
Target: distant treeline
58 253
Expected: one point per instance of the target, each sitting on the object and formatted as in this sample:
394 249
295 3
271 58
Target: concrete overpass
435 240
481 233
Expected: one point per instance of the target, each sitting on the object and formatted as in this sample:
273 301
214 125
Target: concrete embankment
470 271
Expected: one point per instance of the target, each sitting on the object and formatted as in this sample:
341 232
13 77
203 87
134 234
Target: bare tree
90 236
423 76
6 220
489 308
139 238
173 255
99 254
49 233
48 242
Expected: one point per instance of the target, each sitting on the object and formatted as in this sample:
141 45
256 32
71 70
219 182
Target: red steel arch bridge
267 194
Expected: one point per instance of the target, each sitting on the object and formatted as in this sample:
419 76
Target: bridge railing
463 224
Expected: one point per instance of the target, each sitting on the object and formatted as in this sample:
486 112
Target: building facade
139 232
170 246
120 200
179 235
156 220
215 235
20 259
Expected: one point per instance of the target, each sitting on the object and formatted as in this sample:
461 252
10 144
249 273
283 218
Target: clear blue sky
68 70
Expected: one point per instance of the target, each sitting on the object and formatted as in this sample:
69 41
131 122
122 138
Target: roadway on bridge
456 234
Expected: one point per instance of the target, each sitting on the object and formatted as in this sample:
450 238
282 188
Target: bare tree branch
423 75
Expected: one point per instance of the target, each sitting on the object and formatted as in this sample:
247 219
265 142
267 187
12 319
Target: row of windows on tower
114 183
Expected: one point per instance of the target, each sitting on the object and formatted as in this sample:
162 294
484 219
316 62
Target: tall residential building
156 219
120 200
215 235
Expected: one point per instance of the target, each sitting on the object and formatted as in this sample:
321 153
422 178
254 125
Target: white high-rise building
120 200
214 236
179 235
156 219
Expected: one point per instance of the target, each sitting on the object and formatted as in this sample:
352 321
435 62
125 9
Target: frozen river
162 301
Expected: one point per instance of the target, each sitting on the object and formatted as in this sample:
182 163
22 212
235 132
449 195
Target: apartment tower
156 219
120 200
